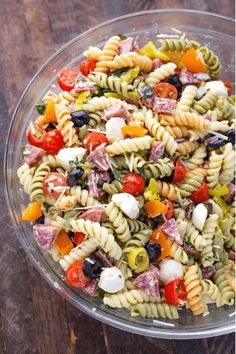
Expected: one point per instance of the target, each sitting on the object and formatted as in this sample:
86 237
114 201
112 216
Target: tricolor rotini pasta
129 168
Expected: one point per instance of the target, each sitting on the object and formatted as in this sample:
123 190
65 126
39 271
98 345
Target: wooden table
34 318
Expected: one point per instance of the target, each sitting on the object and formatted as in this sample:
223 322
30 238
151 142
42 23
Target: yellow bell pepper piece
32 212
151 51
134 131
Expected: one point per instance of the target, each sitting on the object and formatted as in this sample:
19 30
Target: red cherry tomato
200 195
75 275
53 141
180 172
165 90
170 209
229 86
66 78
53 180
93 140
133 183
86 66
78 238
32 136
175 292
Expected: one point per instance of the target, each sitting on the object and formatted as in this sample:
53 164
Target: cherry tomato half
175 292
93 140
35 138
170 209
165 90
66 78
78 238
86 66
53 141
75 275
200 195
180 172
229 86
133 183
53 180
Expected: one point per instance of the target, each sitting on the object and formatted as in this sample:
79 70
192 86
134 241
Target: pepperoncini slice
130 75
138 259
81 99
151 51
220 191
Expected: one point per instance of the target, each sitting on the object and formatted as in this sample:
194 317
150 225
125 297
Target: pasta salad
129 169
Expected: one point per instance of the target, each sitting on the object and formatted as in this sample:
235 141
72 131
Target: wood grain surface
33 317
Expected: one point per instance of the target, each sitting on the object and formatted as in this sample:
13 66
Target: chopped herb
117 174
22 150
46 207
100 293
122 36
143 212
118 72
40 108
75 163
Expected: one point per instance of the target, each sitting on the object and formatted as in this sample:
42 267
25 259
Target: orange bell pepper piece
158 236
32 212
134 131
193 63
49 113
154 208
64 243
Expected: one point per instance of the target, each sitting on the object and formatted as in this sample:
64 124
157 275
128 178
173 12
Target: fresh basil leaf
40 108
117 174
122 36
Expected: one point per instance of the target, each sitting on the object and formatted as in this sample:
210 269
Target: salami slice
157 151
148 282
94 214
32 154
163 105
171 230
45 235
99 158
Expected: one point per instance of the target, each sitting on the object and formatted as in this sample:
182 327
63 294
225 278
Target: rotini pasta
160 74
194 290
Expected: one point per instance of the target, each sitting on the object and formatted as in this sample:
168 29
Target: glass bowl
215 31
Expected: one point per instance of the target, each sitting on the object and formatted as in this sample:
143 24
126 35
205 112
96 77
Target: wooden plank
223 344
122 342
194 346
87 333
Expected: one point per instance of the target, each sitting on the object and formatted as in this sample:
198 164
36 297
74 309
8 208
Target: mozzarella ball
217 87
170 270
111 280
68 156
199 216
113 129
127 203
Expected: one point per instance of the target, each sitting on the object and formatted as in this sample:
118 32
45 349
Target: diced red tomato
229 86
52 181
93 140
75 275
165 90
53 141
200 195
66 78
86 66
78 238
35 138
170 209
180 172
133 183
175 292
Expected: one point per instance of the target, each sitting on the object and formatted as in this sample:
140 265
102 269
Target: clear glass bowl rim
176 333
